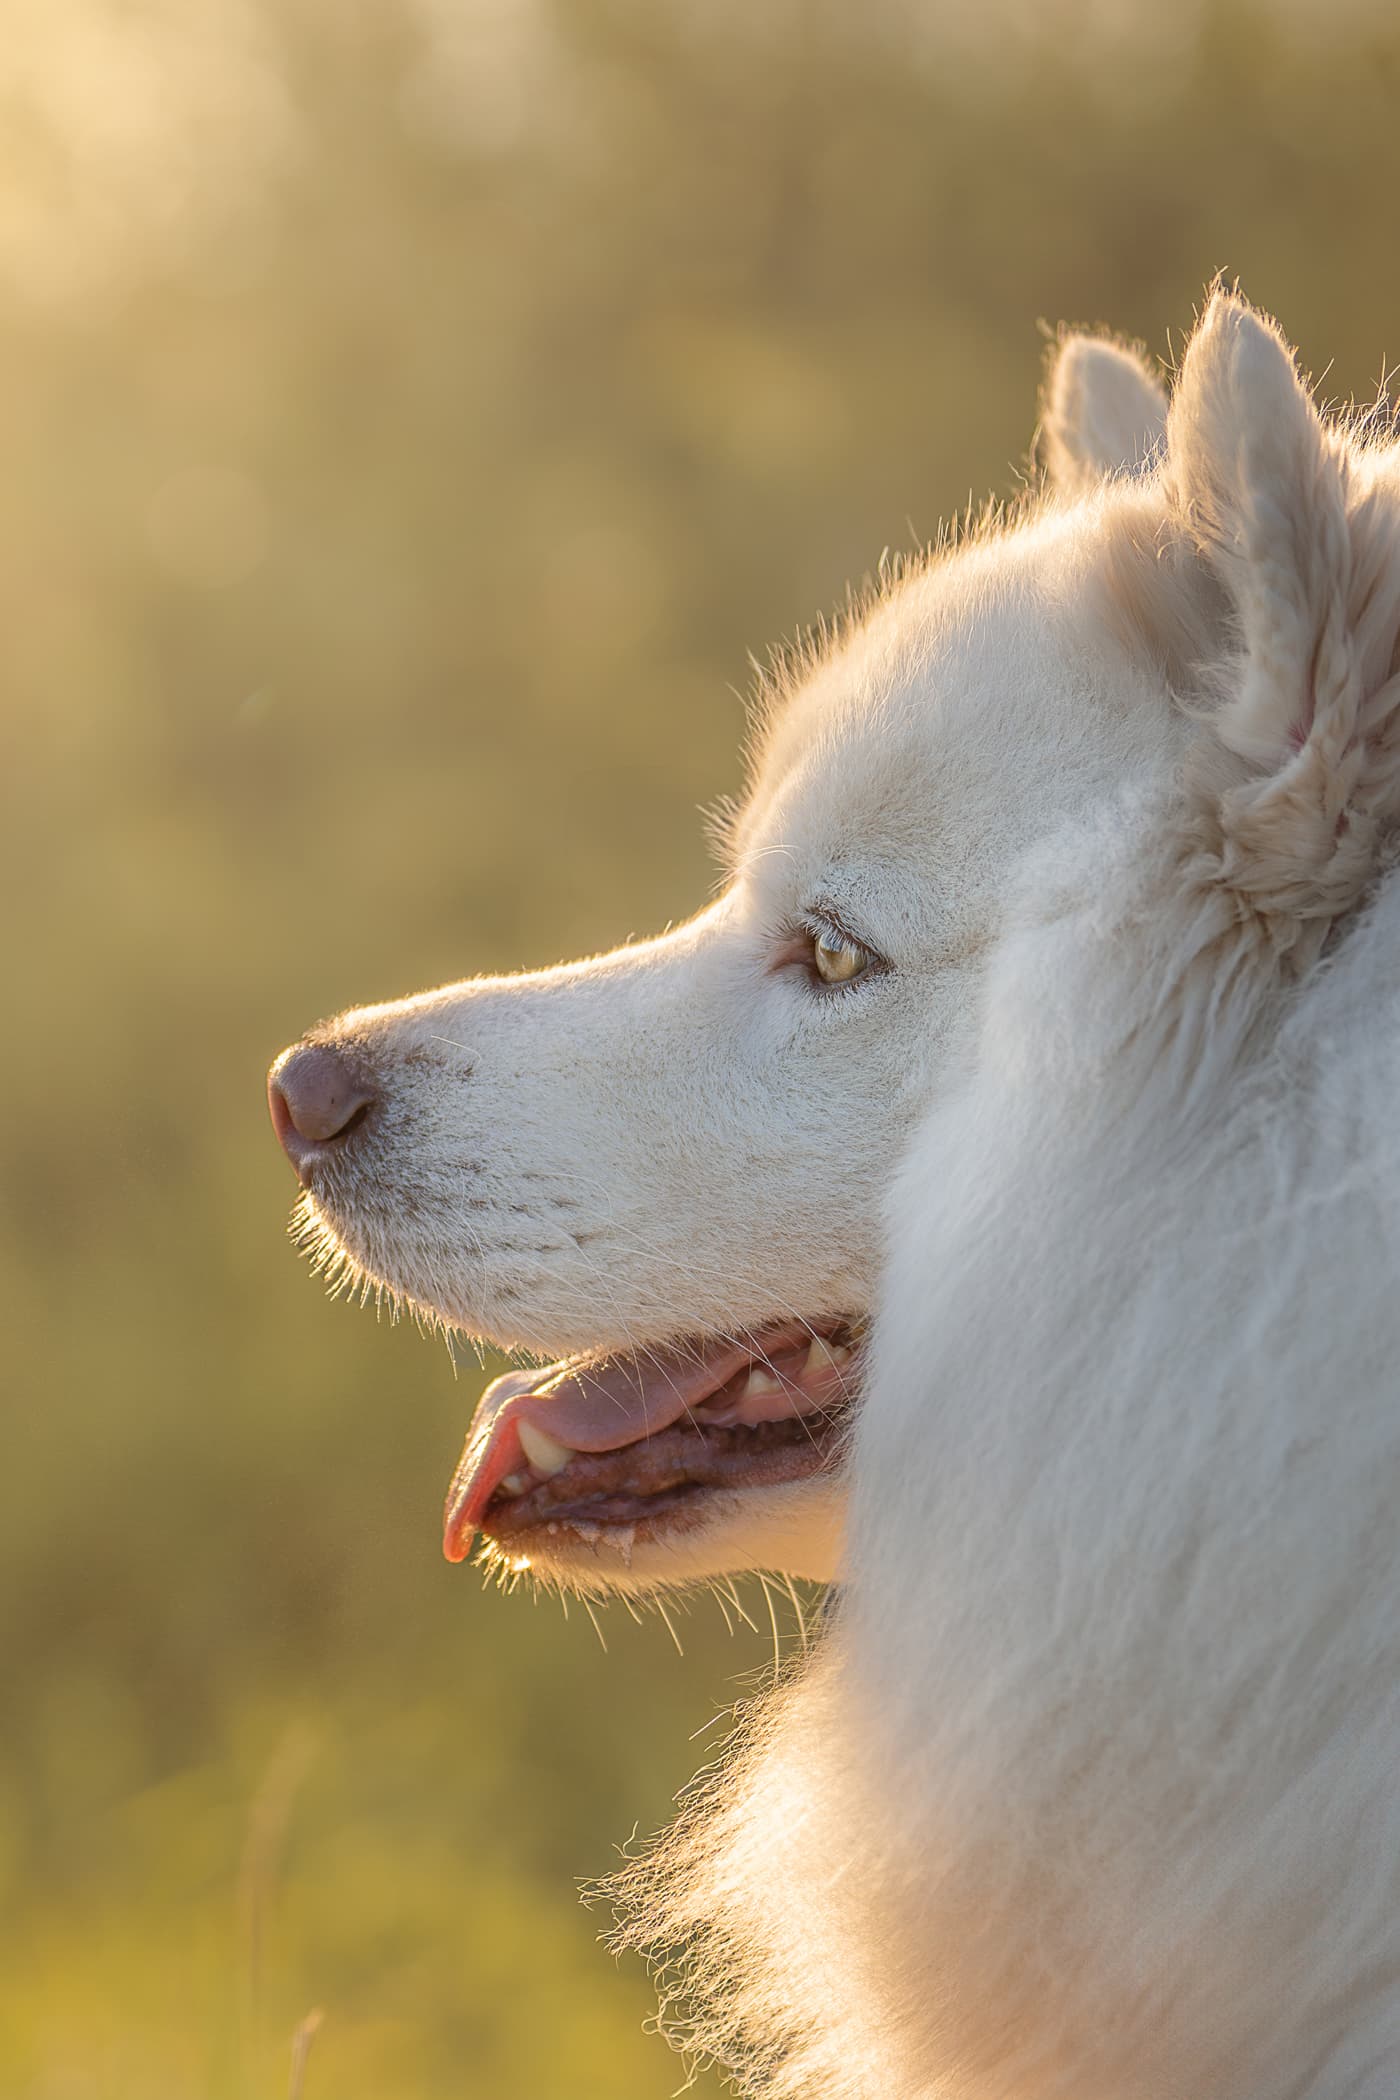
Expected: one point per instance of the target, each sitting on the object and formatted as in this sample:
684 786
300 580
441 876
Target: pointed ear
1105 412
1301 759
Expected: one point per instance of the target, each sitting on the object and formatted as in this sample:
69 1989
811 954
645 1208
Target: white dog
992 1197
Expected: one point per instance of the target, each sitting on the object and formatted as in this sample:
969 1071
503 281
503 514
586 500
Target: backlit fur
1089 1791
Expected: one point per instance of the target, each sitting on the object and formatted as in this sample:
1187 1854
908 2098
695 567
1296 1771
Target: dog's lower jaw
659 1467
795 1528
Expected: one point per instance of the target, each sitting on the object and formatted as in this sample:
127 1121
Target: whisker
718 1596
660 1604
733 1596
798 1612
773 1621
587 1604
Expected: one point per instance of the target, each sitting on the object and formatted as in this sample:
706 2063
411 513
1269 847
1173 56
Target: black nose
318 1099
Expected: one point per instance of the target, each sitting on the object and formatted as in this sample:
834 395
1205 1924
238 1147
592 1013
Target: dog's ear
1301 760
1105 412
1258 486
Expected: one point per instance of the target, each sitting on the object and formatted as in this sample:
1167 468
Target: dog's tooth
823 1356
760 1381
513 1484
544 1452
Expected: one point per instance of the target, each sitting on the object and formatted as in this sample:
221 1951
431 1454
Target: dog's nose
317 1098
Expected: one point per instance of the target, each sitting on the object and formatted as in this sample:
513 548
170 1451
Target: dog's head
667 1167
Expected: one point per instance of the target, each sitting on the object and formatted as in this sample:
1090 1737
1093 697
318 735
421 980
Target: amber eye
837 961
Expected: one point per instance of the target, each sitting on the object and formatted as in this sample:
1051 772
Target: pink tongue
605 1406
594 1407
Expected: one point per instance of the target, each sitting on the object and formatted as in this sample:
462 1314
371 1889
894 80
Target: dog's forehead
936 701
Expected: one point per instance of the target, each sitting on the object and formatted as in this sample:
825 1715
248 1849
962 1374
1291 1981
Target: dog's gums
612 1444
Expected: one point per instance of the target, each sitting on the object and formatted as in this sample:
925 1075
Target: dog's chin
637 1471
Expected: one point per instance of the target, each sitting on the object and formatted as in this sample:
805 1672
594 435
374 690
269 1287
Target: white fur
1105 412
684 1136
1089 1792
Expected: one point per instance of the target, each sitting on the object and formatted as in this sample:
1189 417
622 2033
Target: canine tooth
544 1452
822 1354
760 1381
513 1484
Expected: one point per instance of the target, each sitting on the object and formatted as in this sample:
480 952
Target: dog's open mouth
613 1443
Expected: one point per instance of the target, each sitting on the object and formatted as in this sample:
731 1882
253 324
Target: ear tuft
1105 412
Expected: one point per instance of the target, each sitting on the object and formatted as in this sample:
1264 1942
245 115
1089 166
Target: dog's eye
836 961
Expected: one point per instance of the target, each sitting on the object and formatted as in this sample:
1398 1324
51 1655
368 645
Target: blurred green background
411 414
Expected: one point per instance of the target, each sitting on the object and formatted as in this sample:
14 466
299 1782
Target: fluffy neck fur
1089 1794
